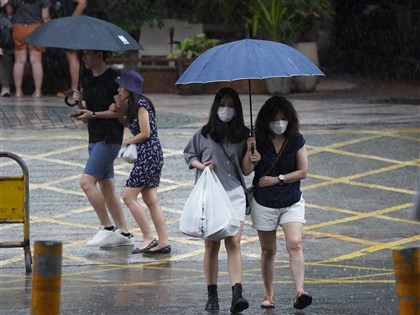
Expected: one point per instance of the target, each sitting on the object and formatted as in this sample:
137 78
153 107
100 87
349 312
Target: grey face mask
279 126
226 114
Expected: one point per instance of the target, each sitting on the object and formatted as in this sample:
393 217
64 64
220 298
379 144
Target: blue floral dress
148 167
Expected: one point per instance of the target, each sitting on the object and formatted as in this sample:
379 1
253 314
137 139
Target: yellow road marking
372 249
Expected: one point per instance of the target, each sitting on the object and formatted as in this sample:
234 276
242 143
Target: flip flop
267 304
303 299
152 244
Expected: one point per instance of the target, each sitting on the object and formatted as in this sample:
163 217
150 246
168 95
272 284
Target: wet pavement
364 155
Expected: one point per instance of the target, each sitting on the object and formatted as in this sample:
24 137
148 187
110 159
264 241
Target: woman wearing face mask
280 162
221 145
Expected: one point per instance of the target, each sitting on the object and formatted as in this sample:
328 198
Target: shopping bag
220 220
128 153
192 217
208 212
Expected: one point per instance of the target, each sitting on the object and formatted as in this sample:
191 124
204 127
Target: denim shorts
268 219
100 163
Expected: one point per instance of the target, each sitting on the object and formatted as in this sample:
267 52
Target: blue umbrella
248 59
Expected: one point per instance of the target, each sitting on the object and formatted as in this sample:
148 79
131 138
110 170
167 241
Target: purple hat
131 80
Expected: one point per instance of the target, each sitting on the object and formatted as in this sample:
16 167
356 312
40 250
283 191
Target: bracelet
93 115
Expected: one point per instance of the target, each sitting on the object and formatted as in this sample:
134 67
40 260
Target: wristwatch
93 115
282 178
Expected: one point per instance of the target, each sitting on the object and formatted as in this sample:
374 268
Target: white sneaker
101 237
118 239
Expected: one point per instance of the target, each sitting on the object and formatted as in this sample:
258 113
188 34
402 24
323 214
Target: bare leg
18 68
233 248
293 234
151 199
95 197
74 66
113 203
129 196
35 58
211 261
268 253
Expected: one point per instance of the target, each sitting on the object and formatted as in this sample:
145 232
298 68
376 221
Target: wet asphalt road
364 165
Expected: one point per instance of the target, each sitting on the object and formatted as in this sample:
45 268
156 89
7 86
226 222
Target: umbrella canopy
248 59
82 33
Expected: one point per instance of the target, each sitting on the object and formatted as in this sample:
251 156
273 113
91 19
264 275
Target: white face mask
278 126
226 114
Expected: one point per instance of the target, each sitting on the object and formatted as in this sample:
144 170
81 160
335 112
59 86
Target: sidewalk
333 103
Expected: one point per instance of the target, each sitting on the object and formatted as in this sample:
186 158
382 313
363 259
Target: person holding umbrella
280 162
105 138
220 145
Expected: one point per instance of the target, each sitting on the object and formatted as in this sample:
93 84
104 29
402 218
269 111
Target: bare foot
37 95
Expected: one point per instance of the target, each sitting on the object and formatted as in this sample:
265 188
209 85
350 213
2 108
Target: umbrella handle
68 103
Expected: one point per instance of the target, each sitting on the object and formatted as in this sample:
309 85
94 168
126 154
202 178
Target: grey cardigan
205 149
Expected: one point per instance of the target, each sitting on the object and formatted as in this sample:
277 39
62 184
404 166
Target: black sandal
152 244
163 250
302 300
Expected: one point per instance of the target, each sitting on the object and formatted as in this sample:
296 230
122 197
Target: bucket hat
132 81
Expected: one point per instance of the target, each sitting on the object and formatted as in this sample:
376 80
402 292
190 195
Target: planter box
159 79
162 78
306 83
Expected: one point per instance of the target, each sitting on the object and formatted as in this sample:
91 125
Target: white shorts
237 198
268 219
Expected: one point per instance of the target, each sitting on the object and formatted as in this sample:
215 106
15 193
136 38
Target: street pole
46 278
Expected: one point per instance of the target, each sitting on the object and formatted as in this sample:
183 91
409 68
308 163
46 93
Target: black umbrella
82 33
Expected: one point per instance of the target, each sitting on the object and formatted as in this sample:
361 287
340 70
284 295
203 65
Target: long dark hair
234 130
133 109
272 107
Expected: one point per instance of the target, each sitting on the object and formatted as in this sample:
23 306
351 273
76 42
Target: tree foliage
128 14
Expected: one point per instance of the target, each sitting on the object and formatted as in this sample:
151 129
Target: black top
98 92
277 196
68 7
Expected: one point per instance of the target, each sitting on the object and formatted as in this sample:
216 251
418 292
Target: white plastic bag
128 153
192 217
208 212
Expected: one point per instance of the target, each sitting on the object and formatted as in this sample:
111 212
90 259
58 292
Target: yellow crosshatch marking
348 245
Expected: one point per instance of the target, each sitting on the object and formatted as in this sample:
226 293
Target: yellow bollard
407 277
46 278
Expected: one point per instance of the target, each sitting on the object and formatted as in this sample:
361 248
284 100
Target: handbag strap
274 163
272 166
278 157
